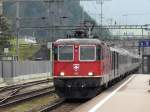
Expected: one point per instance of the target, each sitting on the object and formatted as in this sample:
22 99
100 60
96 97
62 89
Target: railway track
24 85
50 106
14 94
59 105
17 97
14 99
67 106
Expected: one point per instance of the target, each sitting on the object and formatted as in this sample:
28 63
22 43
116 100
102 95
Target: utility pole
101 12
125 19
17 27
82 15
101 2
51 13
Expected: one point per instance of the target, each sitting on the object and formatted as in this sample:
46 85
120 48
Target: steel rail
24 85
26 96
52 105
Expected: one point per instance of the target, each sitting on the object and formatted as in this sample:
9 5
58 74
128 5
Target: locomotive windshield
87 53
65 53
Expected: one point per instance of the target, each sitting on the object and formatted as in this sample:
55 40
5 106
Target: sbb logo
76 67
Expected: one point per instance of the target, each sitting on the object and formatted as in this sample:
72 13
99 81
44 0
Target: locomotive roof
78 41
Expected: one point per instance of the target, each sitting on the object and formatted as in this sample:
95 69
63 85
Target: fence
9 69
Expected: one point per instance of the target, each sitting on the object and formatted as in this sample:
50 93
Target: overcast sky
121 11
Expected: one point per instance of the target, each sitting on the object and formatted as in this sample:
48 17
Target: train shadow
77 100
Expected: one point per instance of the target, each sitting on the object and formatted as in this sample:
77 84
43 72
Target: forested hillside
46 15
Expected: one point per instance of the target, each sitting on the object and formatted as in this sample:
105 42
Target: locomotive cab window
87 53
65 53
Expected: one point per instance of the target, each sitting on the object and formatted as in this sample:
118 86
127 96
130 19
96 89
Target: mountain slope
45 15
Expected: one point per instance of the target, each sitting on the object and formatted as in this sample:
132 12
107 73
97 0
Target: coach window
87 53
65 53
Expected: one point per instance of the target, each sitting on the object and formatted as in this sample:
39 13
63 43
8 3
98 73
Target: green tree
4 34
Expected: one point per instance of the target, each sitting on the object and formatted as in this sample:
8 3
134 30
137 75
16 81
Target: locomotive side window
98 53
65 53
87 53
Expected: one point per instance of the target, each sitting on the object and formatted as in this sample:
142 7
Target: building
28 40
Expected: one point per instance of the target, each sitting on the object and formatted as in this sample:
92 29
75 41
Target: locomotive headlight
62 73
90 73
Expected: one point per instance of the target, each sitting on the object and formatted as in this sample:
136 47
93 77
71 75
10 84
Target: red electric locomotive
81 67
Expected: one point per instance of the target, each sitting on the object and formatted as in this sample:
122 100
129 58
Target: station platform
130 95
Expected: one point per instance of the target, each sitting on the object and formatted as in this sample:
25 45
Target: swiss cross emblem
76 67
